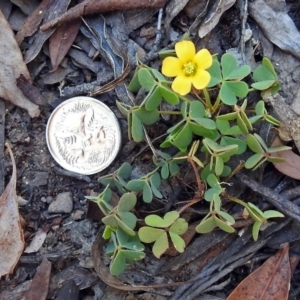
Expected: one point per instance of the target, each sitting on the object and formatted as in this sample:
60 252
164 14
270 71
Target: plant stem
216 105
207 98
168 112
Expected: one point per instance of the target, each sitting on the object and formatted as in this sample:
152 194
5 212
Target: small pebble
49 199
77 215
43 199
62 204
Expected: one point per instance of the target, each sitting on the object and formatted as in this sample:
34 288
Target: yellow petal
185 51
171 66
201 79
203 59
182 85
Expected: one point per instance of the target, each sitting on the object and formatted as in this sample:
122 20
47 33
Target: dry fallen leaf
39 286
11 233
291 165
269 282
12 66
61 41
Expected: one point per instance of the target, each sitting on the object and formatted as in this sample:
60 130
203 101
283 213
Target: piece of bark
95 7
38 288
30 91
12 65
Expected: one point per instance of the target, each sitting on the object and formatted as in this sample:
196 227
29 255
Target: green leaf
137 130
156 221
128 218
223 225
263 73
132 256
158 75
118 264
239 88
242 146
255 210
261 141
123 225
124 111
125 170
226 94
272 214
110 220
215 74
122 237
146 80
179 227
183 138
134 84
197 110
210 194
153 99
149 234
241 124
255 230
147 117
127 202
227 217
213 182
174 168
155 179
253 144
204 132
228 63
178 242
253 160
165 171
168 95
156 192
147 193
219 165
107 232
239 73
161 245
135 185
262 85
207 225
260 108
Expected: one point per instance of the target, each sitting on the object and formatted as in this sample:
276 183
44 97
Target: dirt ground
70 231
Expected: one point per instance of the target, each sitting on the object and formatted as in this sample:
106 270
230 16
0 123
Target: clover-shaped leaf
265 77
230 79
121 215
157 233
148 185
167 164
211 223
124 250
117 178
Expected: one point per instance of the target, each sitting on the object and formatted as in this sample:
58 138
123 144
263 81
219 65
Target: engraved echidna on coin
83 135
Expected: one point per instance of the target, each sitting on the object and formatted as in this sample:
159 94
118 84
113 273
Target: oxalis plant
208 94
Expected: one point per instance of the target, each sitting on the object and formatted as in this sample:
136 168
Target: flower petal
203 59
171 66
185 51
201 79
182 85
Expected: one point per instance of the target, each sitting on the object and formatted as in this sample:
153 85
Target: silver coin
83 135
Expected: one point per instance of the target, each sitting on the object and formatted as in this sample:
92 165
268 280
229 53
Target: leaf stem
207 98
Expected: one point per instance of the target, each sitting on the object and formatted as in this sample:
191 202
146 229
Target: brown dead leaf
39 286
12 66
11 233
88 7
61 41
31 24
291 165
269 282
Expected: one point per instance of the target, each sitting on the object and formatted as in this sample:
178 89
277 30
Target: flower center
189 68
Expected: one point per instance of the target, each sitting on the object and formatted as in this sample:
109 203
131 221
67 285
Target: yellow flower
189 68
